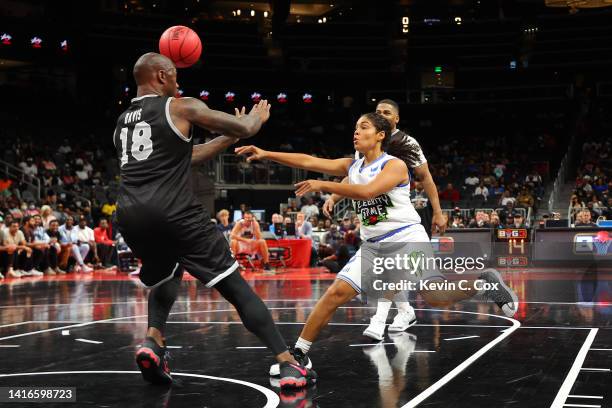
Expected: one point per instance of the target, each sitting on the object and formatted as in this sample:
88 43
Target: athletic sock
303 345
382 309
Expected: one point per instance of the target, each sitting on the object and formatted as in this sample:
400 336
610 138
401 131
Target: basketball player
163 222
379 182
431 221
246 238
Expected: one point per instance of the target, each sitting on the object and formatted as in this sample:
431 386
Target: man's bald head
156 73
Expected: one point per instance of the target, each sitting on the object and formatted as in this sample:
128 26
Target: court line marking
461 338
9 345
272 398
250 347
597 349
15 324
371 344
572 375
586 396
272 300
467 362
89 341
582 405
596 369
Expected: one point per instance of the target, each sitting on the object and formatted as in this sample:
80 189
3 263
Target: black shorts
166 247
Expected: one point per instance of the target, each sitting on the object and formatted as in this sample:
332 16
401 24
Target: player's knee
338 294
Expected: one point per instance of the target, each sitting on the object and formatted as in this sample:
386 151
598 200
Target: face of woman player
366 137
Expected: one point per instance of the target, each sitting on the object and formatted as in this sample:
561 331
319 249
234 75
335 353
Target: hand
304 187
239 113
252 152
328 207
262 109
438 223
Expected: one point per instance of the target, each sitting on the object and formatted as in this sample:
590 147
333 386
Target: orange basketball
182 45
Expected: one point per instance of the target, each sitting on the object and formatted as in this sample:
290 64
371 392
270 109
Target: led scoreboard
512 248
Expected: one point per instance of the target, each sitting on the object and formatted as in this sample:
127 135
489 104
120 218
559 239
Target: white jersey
388 211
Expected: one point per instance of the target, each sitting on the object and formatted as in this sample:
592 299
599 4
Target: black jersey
155 159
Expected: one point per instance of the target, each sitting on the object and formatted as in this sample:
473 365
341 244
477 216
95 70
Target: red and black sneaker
296 376
153 362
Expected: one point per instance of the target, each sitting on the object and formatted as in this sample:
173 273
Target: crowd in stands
591 199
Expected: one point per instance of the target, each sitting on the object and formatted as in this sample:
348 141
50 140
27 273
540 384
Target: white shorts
352 271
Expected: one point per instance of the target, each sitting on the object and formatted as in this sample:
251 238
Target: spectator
17 250
505 198
533 178
518 222
606 211
328 224
310 209
507 214
29 168
495 222
525 199
337 260
576 202
583 219
38 243
246 239
481 220
104 244
481 192
497 189
303 228
57 249
83 241
109 208
276 226
450 194
223 223
59 214
457 221
471 181
46 215
346 225
333 238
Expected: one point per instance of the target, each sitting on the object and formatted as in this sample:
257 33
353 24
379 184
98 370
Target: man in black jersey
166 226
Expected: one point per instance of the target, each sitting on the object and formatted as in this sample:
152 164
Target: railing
231 171
16 173
564 169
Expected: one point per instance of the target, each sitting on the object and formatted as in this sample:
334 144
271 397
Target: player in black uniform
166 226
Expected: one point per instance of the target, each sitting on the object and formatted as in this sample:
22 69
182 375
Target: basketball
182 45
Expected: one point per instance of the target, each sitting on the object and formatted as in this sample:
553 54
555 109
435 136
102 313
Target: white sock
382 309
303 345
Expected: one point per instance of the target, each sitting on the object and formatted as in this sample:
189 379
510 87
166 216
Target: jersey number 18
142 145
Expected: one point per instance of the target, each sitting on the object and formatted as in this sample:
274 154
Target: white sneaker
403 320
35 272
376 329
86 269
1 275
60 271
13 274
25 273
49 271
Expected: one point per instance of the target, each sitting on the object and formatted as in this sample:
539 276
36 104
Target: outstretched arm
187 111
337 167
393 174
206 151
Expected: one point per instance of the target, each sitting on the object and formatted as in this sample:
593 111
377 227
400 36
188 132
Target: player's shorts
249 247
353 270
166 247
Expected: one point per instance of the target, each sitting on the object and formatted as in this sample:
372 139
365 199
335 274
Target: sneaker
1 275
503 296
35 272
153 362
25 273
59 271
403 320
49 271
300 357
14 274
376 329
296 376
86 269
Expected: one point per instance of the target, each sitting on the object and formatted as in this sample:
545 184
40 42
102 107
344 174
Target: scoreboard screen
512 247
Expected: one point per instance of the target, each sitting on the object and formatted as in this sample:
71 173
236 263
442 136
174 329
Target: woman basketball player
379 185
